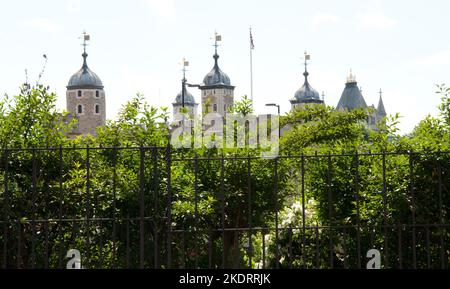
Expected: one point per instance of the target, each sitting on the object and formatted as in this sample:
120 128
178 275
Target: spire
380 109
86 37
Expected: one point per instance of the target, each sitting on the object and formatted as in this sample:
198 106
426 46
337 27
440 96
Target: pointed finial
381 93
351 77
86 38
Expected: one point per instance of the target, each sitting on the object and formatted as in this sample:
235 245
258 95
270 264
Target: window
97 109
97 94
79 93
215 107
80 109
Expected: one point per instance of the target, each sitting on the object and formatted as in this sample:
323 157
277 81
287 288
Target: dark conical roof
381 112
216 76
351 97
85 78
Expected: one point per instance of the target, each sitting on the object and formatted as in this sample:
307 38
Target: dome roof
306 93
188 98
85 78
216 76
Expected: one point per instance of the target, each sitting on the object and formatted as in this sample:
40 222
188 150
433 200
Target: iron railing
154 207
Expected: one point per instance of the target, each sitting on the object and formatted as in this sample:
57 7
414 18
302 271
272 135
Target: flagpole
251 66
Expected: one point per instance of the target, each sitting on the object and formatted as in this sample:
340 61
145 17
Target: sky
399 46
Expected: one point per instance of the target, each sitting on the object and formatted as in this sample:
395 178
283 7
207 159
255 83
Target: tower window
97 109
97 94
215 107
79 93
79 109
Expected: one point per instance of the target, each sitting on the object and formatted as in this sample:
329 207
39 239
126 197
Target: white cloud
375 20
321 18
165 9
42 24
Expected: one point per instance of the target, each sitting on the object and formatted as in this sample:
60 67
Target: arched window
79 109
97 93
79 93
97 109
215 107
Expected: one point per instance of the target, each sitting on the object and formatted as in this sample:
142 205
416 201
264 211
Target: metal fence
153 207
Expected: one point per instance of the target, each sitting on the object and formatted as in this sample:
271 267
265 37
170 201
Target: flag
186 63
87 37
252 46
218 37
307 57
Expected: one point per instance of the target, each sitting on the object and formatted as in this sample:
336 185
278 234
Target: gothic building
352 98
85 98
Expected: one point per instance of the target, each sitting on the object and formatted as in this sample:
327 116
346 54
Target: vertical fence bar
19 243
277 252
46 243
290 253
196 251
344 247
249 195
441 228
263 249
222 218
358 221
316 231
384 193
5 211
114 205
127 241
303 212
141 207
60 211
413 213
156 251
169 206
400 249
88 207
427 232
33 209
330 213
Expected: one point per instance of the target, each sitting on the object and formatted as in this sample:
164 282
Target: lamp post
278 108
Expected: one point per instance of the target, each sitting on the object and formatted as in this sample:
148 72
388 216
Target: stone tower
86 98
217 91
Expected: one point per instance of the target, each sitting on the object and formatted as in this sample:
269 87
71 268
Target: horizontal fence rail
155 207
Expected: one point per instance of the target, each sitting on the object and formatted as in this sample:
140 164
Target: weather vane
217 38
185 64
307 57
86 37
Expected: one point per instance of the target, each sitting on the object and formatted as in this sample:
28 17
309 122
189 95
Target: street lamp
278 107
